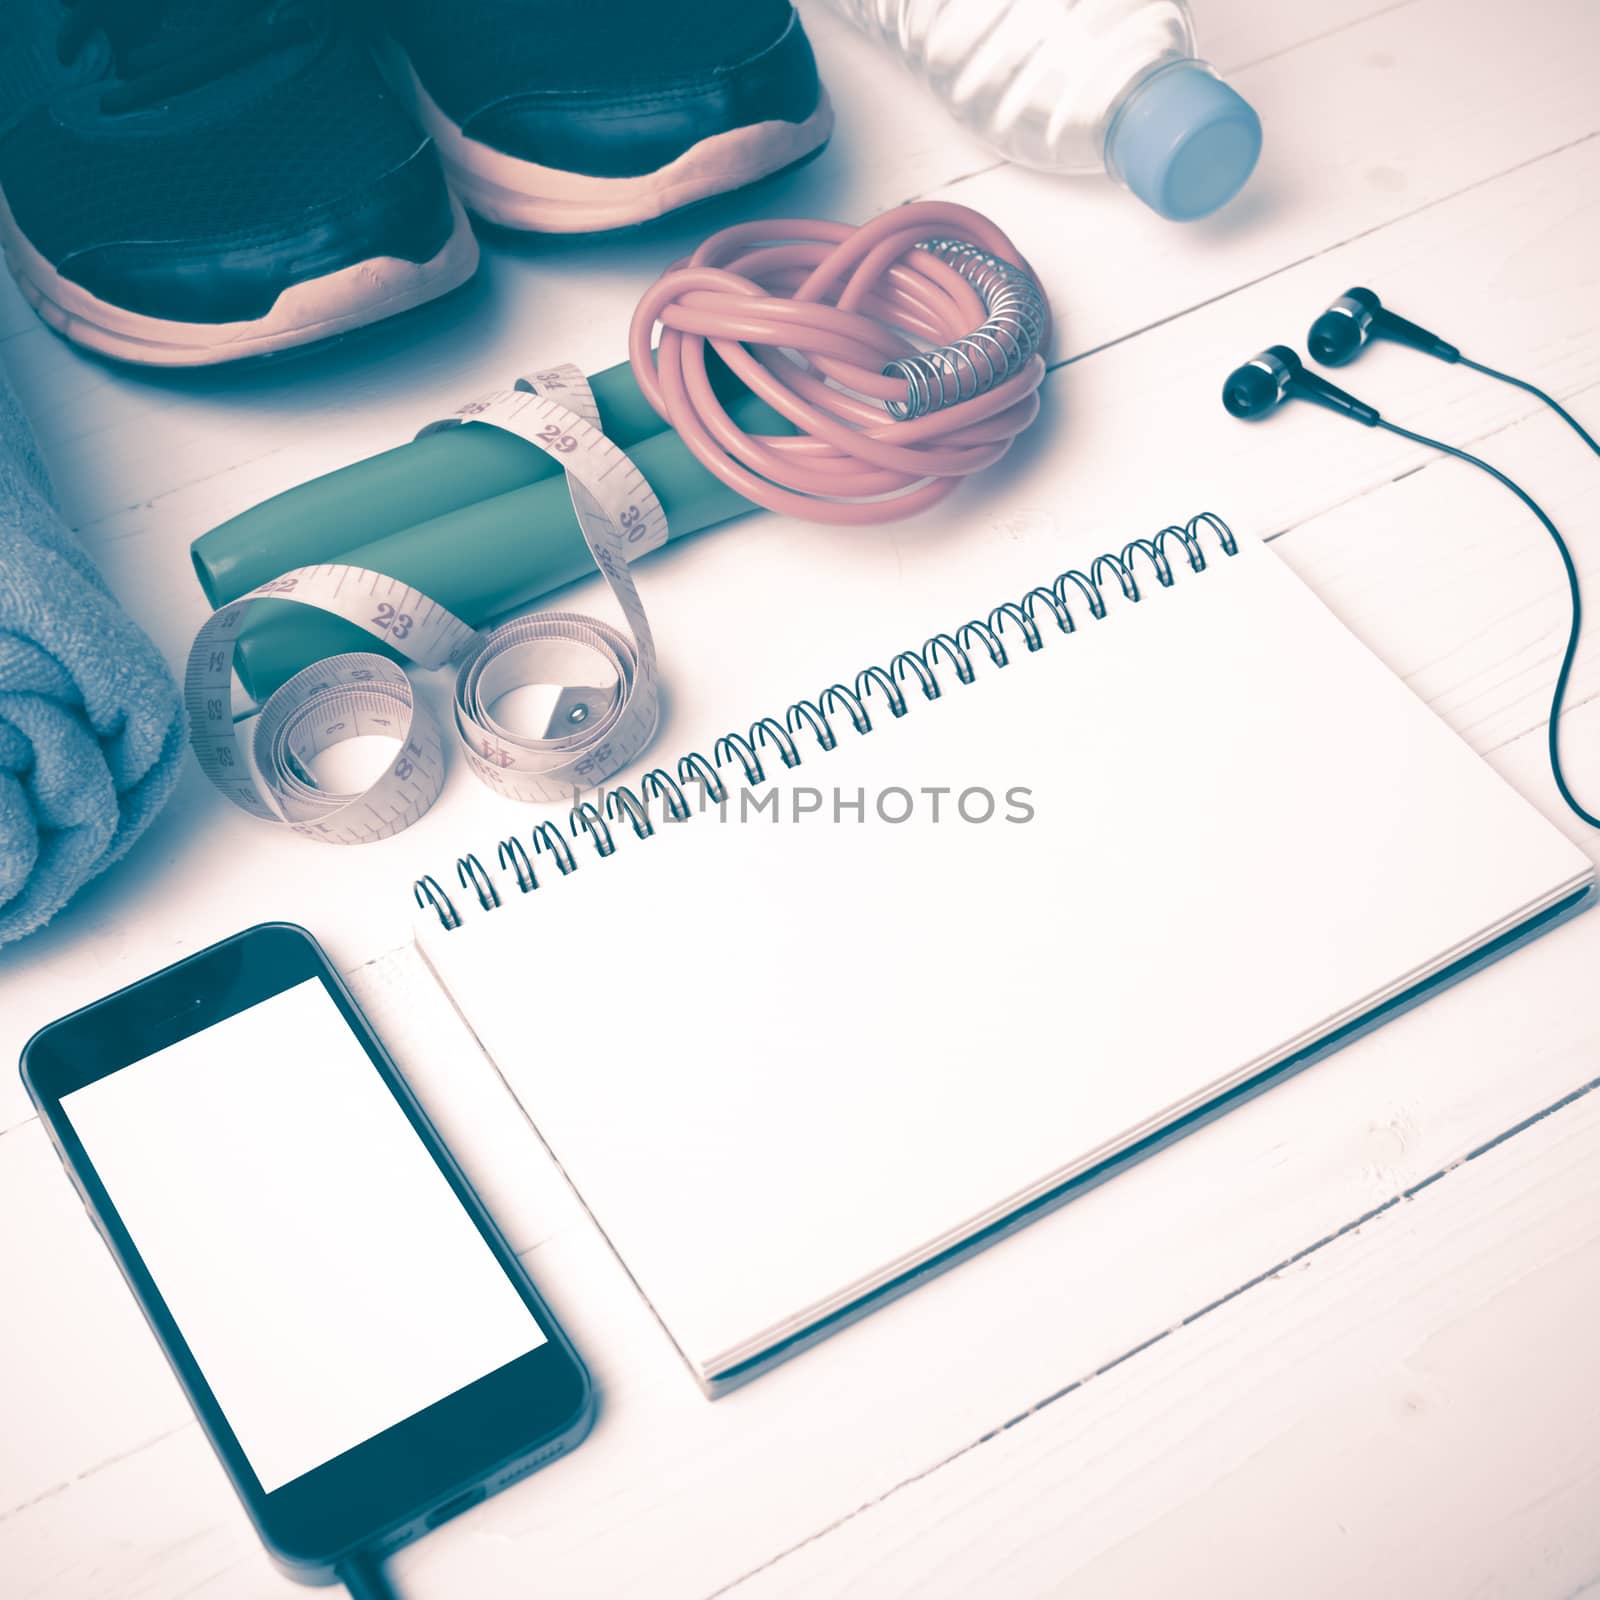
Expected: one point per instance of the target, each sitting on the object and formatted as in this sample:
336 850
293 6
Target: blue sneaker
573 116
184 182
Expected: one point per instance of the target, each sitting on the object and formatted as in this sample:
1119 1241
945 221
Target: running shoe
184 182
575 116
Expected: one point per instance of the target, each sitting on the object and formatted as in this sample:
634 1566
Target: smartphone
359 1342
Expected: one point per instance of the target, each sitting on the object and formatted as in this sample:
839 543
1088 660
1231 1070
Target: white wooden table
1340 1342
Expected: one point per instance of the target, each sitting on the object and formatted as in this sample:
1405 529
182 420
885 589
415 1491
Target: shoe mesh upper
472 53
131 24
242 158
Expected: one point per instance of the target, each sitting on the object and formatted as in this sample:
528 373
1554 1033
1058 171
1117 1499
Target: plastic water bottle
1082 86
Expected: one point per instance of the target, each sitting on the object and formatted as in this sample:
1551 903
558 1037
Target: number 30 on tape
345 696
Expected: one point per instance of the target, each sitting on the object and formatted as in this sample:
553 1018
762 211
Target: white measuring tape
597 728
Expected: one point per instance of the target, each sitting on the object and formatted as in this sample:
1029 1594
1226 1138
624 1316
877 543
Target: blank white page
784 1061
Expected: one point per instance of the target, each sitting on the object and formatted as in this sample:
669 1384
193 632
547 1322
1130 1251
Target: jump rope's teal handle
476 518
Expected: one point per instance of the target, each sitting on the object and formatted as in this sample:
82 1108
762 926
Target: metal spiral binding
822 719
973 365
427 892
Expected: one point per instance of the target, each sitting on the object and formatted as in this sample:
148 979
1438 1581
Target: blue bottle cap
1184 142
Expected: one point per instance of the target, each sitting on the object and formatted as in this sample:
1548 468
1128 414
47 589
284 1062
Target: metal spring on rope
973 365
1112 573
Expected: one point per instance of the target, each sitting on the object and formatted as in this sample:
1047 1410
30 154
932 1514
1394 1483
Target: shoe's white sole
522 194
319 308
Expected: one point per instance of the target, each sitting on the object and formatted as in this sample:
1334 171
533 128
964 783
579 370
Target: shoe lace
156 58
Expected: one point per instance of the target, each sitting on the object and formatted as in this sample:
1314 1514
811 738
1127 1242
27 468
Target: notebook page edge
866 1293
426 934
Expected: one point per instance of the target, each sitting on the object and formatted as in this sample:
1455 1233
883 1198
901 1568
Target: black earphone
1358 316
1336 338
1339 334
1266 380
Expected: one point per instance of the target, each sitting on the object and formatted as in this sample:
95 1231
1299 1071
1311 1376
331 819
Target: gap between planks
1328 249
1255 1281
1312 38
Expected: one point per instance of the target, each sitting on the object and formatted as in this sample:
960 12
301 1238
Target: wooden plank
1408 1103
68 1318
707 1492
926 145
1234 34
1451 93
205 869
1423 77
673 1495
1460 591
894 129
1405 1409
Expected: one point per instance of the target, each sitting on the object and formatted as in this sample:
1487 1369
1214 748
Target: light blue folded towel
91 731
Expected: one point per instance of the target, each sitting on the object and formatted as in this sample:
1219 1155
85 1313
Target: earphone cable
1538 394
1571 651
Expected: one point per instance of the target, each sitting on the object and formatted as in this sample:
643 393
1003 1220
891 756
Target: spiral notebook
950 949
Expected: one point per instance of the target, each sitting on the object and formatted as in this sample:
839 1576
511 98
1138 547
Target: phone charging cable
363 1578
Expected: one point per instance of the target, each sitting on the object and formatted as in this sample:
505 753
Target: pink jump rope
791 304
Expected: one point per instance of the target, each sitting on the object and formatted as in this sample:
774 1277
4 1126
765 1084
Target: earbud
1339 334
1267 380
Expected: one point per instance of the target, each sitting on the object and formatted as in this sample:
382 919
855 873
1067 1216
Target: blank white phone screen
321 1269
